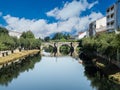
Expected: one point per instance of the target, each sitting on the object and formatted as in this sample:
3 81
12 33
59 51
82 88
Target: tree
47 38
28 41
27 34
3 30
61 36
24 43
105 44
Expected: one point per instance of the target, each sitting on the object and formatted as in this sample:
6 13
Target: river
52 73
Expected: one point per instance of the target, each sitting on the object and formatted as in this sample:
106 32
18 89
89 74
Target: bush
104 44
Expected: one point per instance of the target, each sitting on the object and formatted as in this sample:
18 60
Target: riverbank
18 55
108 68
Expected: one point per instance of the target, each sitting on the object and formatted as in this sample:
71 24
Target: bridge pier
56 46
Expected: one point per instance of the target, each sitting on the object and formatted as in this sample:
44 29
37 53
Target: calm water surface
48 73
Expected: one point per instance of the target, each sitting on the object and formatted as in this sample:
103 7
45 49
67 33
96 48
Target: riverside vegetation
15 56
103 50
26 41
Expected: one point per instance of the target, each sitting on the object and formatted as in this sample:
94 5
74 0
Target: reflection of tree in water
64 49
7 74
98 80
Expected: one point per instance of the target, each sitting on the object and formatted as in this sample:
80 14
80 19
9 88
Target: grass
15 56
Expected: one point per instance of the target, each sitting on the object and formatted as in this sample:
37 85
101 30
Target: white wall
101 24
80 36
16 34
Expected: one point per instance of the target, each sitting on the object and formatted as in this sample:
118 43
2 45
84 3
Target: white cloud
92 4
67 21
0 13
72 9
22 24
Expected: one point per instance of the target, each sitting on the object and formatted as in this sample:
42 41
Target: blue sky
44 16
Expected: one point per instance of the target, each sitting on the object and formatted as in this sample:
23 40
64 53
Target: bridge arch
59 44
64 49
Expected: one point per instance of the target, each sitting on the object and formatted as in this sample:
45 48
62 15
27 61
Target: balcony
110 27
111 12
110 19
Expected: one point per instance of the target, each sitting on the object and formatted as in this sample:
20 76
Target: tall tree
27 34
47 38
3 30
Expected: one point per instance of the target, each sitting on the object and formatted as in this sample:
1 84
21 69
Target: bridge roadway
59 44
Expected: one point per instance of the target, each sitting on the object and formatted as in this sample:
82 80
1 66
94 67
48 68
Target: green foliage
65 49
7 42
49 49
47 38
3 31
27 34
61 36
104 44
27 41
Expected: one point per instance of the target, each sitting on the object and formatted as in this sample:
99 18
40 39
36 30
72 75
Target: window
112 23
108 16
108 10
112 7
112 15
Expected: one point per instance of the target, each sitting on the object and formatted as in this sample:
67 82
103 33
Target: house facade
118 15
82 35
101 25
15 34
97 26
113 17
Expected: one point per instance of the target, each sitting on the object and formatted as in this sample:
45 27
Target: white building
118 15
101 25
92 29
113 17
15 34
97 26
82 35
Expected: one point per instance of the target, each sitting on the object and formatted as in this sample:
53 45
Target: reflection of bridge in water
56 47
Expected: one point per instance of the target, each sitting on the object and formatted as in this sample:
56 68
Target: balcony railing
110 19
110 27
111 12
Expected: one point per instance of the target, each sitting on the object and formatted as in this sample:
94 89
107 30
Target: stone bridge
59 44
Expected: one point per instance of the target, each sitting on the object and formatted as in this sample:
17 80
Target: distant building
92 27
101 25
74 37
15 34
97 26
118 15
82 34
113 17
